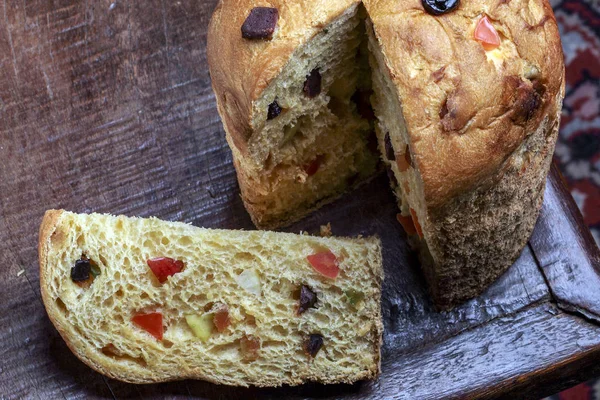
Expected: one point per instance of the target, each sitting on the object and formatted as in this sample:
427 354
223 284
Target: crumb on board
326 230
21 272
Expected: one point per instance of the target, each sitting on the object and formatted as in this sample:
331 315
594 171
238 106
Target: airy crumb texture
95 317
306 150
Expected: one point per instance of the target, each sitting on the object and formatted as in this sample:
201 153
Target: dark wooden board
107 106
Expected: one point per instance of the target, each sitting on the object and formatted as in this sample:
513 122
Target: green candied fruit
95 269
201 325
354 296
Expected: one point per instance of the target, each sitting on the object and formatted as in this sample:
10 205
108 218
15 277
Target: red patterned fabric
578 147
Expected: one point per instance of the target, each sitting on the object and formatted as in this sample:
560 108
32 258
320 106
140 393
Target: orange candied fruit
221 317
407 224
417 224
487 34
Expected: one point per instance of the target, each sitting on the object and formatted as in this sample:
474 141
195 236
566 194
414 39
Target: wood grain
106 106
569 257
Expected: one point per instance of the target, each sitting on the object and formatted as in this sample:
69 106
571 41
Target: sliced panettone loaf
144 300
467 100
295 109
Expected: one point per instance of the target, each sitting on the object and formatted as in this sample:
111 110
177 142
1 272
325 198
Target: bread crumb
301 177
326 230
21 272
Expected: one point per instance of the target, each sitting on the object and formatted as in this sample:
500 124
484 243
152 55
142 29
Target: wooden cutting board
107 106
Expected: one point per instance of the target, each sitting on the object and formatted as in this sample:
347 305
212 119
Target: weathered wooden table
107 106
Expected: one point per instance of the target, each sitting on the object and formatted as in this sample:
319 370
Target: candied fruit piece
164 267
308 299
151 323
487 34
260 23
325 263
313 344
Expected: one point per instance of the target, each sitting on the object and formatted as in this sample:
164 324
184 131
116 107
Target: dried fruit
354 296
308 299
312 85
274 110
389 149
250 345
313 344
151 323
325 263
487 34
95 269
260 23
221 316
250 281
201 325
405 161
416 222
313 167
438 7
81 271
164 267
407 223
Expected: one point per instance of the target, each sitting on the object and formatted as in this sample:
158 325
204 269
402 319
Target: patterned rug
578 148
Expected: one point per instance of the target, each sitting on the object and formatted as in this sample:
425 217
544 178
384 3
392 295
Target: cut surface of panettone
466 104
307 137
144 300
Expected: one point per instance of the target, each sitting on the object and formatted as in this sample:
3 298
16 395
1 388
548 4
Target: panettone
467 103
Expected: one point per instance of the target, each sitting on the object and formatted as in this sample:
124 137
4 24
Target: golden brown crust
485 239
465 115
47 228
241 69
466 109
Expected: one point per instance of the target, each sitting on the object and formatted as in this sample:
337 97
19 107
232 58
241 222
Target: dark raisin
438 7
313 344
389 149
274 110
308 299
312 85
260 23
81 271
392 178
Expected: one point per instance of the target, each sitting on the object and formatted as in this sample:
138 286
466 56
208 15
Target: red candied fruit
313 167
163 267
407 223
151 323
325 263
